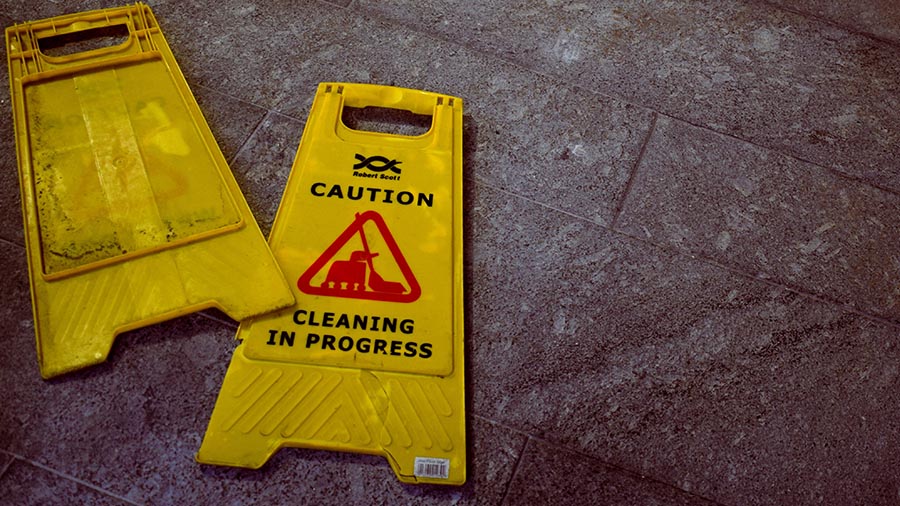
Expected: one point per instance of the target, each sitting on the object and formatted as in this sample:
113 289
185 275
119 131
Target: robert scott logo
377 165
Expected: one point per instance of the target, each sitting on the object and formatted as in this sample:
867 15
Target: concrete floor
682 261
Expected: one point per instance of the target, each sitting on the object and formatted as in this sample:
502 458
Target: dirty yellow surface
131 213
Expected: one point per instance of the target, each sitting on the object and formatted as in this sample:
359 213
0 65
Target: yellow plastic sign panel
131 213
370 359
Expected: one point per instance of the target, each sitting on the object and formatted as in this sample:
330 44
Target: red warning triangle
355 277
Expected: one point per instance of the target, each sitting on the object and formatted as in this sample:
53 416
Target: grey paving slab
767 75
534 136
550 475
24 484
21 12
264 163
11 227
230 120
770 214
10 204
17 328
253 51
580 158
721 385
880 18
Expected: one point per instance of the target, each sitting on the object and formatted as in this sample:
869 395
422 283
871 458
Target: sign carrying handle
372 95
338 95
25 42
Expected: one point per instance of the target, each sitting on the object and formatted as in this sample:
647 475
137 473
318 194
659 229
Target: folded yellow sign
131 213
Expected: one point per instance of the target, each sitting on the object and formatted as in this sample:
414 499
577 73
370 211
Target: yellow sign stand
370 359
131 214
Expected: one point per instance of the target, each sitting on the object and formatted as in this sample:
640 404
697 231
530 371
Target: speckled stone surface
766 213
551 475
231 120
748 69
10 204
525 133
680 256
24 484
19 12
263 164
728 387
880 18
568 162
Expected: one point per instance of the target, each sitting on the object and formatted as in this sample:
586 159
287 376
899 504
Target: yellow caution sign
131 214
370 359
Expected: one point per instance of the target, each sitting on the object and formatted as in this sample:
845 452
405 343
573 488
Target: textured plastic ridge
370 358
131 213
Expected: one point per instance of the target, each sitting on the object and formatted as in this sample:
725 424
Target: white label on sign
432 468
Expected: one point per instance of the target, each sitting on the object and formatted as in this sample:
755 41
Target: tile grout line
821 298
515 469
832 170
533 201
229 95
761 277
628 472
289 116
7 465
500 424
840 305
3 240
246 141
620 205
230 161
336 4
634 474
229 324
825 20
74 479
569 83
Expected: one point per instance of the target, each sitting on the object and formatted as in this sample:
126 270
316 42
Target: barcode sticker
432 468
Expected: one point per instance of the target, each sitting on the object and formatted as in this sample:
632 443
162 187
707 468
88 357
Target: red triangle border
415 291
